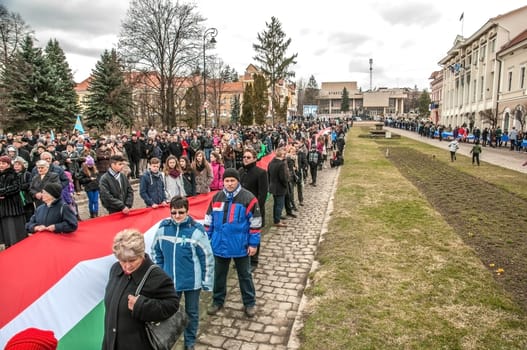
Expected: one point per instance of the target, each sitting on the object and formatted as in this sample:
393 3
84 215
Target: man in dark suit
278 185
254 179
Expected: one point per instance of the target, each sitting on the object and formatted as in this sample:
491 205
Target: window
522 77
493 45
481 88
509 86
483 52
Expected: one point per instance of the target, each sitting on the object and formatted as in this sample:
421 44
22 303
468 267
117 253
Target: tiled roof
516 40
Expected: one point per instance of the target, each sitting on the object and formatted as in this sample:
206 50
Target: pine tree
345 103
247 116
271 55
109 97
25 88
260 100
235 110
193 106
311 93
62 97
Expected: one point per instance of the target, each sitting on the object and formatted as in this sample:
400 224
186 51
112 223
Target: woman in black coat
12 218
126 314
43 177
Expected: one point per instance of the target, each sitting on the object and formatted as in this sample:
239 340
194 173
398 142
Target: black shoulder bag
163 335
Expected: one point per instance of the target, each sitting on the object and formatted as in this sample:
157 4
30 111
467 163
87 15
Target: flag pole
462 19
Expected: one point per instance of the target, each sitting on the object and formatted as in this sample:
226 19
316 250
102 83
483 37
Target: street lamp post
212 32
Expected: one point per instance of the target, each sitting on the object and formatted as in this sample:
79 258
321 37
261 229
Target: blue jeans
278 207
207 152
245 280
93 201
192 311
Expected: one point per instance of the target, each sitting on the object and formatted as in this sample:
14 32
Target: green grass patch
395 274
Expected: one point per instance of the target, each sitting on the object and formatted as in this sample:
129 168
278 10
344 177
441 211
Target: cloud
409 13
93 19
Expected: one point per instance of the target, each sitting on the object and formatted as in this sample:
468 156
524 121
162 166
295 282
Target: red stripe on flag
34 265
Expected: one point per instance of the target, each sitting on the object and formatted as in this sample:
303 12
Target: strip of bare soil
491 220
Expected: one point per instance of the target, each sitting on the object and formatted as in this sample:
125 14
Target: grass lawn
396 272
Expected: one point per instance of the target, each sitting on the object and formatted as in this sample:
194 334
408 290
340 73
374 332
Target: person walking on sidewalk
233 223
453 146
181 247
476 151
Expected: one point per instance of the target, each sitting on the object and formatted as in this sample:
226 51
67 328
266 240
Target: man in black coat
254 179
278 185
133 150
115 189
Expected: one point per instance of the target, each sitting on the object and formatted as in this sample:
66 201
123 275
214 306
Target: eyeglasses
178 212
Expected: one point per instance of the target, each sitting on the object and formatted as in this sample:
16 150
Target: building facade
380 102
472 76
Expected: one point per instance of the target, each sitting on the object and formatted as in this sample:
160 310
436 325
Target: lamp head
212 40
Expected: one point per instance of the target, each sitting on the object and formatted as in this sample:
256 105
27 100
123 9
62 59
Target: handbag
162 335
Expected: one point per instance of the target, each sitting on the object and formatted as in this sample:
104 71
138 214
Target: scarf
200 167
173 173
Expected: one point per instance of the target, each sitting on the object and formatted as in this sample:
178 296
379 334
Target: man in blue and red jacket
233 222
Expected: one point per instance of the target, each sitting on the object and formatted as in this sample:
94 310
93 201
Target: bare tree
162 37
13 30
488 116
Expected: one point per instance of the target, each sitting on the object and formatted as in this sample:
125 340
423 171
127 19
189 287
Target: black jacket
58 214
11 202
278 177
112 197
125 329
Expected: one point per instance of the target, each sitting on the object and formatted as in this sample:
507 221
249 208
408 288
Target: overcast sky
334 39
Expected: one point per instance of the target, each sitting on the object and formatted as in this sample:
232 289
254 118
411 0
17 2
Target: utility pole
371 72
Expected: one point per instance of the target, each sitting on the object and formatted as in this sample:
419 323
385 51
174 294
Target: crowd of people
495 137
170 167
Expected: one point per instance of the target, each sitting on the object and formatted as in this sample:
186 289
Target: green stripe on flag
87 334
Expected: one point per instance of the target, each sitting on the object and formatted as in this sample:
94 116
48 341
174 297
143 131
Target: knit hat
54 189
231 172
87 145
32 339
90 161
5 159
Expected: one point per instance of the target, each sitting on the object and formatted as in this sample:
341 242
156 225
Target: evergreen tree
345 104
235 109
423 104
271 56
193 106
62 97
247 117
109 97
311 93
260 101
281 109
25 88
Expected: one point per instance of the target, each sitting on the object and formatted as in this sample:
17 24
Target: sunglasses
178 212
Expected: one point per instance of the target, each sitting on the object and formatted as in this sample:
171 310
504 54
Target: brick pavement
286 258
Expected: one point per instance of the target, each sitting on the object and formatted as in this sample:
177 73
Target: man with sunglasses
254 179
182 248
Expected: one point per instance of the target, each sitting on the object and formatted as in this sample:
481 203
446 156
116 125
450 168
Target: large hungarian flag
57 281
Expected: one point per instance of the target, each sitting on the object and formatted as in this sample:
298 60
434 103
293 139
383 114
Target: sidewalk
502 156
286 258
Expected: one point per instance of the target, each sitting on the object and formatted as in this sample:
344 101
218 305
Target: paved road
502 156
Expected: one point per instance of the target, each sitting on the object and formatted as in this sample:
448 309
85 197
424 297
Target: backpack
313 156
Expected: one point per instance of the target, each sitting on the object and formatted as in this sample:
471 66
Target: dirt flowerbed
491 220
